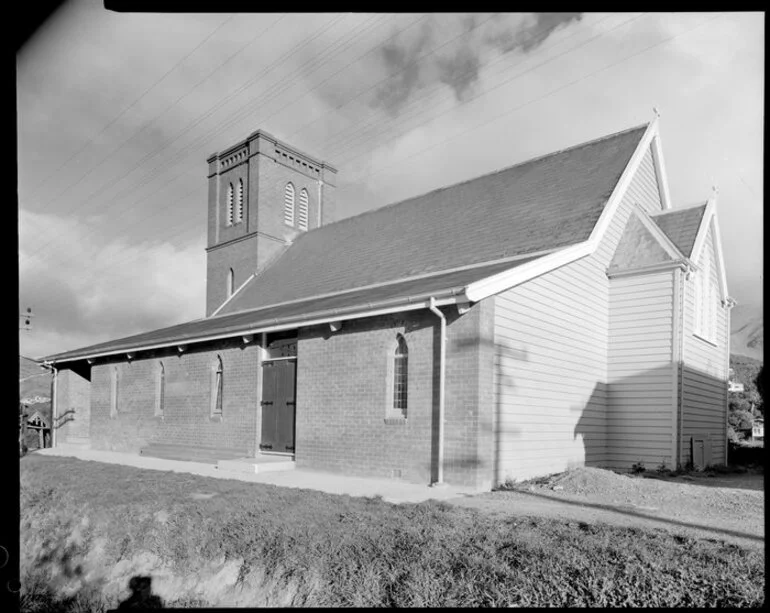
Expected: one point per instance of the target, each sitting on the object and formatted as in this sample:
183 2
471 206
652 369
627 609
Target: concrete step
208 455
260 464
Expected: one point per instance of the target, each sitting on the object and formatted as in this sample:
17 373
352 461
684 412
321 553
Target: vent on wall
700 449
288 205
303 209
239 207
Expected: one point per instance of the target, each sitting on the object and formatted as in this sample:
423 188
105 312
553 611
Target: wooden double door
279 387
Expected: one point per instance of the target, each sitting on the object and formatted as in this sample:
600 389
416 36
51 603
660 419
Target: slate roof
681 226
441 285
543 204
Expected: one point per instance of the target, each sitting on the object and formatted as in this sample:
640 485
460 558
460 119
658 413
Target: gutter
441 384
409 303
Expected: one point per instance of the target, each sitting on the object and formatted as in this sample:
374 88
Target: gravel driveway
722 507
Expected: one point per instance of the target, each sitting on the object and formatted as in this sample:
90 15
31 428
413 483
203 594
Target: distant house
734 387
758 428
556 313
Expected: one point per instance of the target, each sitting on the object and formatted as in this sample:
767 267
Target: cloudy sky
117 113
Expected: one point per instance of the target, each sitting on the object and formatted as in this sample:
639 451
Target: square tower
263 193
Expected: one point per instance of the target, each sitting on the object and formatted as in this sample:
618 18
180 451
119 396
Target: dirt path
728 507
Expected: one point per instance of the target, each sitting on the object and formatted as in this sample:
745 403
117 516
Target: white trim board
505 280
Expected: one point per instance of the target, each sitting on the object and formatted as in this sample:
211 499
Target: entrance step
261 464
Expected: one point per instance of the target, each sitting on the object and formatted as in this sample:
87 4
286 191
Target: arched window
303 210
160 390
705 298
217 373
288 205
239 202
114 392
230 205
230 282
400 376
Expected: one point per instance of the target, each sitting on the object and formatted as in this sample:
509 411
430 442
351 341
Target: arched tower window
160 390
400 376
230 205
239 202
303 210
230 282
288 205
217 374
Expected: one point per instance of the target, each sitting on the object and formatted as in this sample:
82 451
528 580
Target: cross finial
715 189
656 111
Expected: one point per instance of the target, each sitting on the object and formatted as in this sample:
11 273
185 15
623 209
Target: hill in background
747 332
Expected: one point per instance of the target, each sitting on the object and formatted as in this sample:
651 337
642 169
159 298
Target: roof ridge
476 178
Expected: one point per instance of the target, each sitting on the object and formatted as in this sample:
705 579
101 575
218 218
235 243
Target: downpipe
441 379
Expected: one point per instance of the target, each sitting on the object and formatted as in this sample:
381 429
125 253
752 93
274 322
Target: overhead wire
172 179
131 105
573 82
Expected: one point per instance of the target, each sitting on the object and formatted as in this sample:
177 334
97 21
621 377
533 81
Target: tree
740 420
759 384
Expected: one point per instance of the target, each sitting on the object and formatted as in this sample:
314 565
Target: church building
560 312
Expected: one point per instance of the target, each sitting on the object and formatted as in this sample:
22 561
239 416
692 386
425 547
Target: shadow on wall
501 380
64 418
615 424
639 420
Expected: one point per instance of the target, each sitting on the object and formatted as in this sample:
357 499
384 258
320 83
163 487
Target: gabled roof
456 244
681 226
550 202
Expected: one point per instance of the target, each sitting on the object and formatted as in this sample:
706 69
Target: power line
108 156
174 161
379 127
132 105
563 87
157 169
505 82
188 173
570 84
411 25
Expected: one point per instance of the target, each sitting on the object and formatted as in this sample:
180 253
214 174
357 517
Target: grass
85 525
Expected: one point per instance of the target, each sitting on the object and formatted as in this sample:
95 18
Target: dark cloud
458 68
400 60
460 71
545 24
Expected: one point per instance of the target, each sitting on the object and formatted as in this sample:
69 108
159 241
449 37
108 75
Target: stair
188 453
261 464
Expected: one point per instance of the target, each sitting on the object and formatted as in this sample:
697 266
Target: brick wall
241 257
73 407
265 175
343 392
186 417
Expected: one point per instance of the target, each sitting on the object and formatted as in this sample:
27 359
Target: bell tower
263 194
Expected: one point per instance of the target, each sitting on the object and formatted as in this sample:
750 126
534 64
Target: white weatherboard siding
551 340
640 372
704 372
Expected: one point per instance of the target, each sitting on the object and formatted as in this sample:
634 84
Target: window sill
215 419
395 421
704 339
159 418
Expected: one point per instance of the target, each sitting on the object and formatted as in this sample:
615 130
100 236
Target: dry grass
87 528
